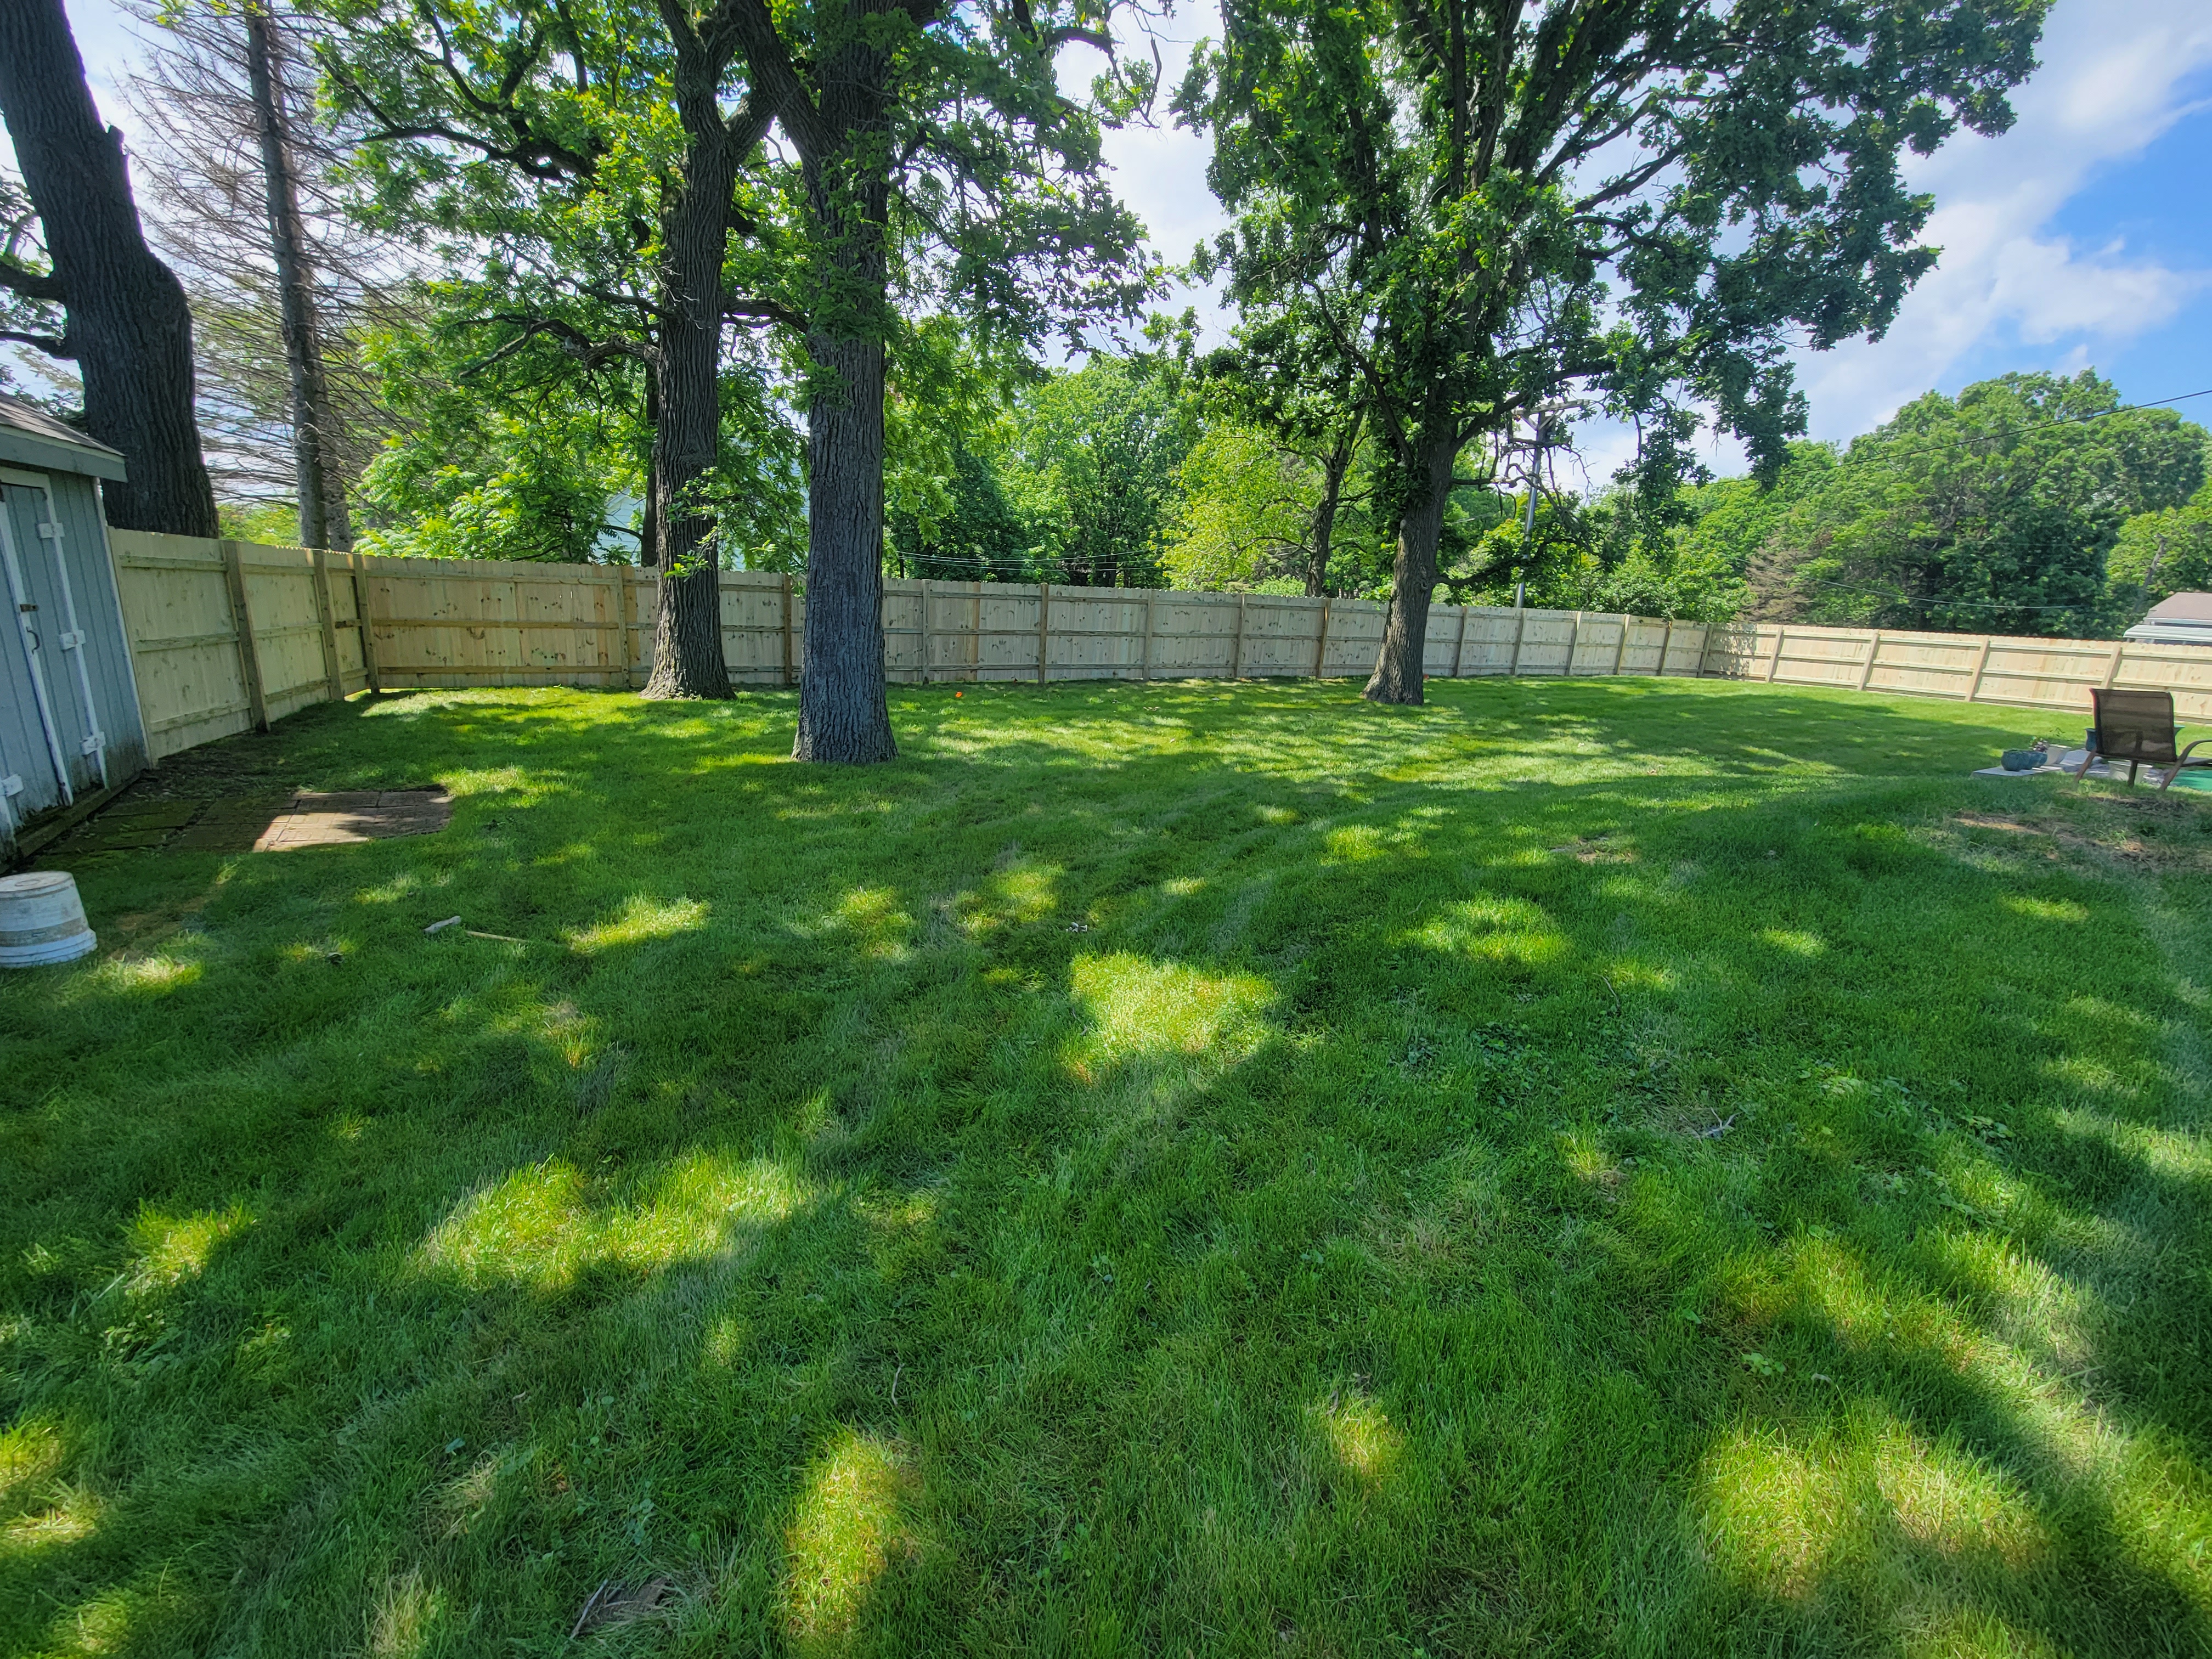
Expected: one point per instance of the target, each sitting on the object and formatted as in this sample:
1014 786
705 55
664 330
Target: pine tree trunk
687 649
130 329
323 520
1399 666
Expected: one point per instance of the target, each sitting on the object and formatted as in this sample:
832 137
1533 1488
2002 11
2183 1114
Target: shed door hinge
50 530
11 785
70 641
93 743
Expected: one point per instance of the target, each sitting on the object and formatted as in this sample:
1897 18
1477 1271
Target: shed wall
74 643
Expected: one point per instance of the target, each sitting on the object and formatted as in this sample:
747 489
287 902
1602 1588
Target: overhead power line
2040 426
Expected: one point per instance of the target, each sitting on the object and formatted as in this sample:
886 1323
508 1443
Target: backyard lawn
1654 1167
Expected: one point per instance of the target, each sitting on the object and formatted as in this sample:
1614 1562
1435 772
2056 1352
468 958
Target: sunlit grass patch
544 1226
850 1527
1135 1009
171 1249
1864 1507
1493 928
641 919
1366 1443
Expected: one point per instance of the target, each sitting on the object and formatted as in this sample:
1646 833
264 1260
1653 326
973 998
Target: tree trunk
323 520
130 329
687 649
843 715
649 522
843 712
1324 527
1399 666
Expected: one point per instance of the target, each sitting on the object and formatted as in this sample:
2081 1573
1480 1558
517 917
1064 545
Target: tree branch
30 284
751 308
52 345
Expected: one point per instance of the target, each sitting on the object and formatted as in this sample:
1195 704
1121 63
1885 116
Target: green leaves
1646 203
1993 512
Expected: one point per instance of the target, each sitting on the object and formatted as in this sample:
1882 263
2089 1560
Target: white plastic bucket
41 920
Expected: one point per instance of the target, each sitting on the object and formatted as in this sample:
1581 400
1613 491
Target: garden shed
70 726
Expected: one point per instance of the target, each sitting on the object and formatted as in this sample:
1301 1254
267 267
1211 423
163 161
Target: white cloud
2114 78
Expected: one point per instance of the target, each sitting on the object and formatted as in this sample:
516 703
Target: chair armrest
2182 759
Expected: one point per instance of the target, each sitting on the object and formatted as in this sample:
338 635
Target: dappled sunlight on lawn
850 1527
641 919
1366 1444
1569 1169
546 1225
1861 1503
1139 1010
173 1248
1494 929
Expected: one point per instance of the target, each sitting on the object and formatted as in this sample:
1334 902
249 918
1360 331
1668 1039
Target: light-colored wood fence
2020 673
228 636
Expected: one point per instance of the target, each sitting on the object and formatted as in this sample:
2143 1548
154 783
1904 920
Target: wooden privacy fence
2021 673
228 635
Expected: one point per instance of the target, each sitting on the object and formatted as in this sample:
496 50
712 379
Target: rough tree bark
324 519
1398 665
687 657
843 712
130 330
687 653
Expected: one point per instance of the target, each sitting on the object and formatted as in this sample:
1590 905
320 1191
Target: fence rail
230 635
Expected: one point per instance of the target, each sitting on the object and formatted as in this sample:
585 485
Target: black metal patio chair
2137 727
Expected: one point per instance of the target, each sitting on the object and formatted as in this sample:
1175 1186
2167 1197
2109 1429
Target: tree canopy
1640 205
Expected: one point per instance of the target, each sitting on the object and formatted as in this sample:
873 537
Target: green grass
1640 1166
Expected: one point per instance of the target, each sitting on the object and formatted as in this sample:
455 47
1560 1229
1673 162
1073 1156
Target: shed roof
2182 608
31 437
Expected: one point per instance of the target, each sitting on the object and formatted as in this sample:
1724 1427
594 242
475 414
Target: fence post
1620 645
361 622
1981 662
326 613
249 656
1236 647
1044 629
786 627
1574 639
1144 646
1866 668
1666 643
1459 651
1774 659
1320 640
2112 669
1520 633
927 638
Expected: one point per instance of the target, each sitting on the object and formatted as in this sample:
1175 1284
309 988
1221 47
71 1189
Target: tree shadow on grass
1290 1259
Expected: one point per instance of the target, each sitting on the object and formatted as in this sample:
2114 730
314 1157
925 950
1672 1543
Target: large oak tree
1646 203
940 167
595 156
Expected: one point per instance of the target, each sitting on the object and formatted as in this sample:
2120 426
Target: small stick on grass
577 1629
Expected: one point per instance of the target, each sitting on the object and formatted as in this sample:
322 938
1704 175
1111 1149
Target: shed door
49 645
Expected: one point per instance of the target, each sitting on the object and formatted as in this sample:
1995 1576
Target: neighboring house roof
2182 608
2179 619
31 437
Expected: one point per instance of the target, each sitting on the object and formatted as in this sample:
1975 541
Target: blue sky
2081 237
